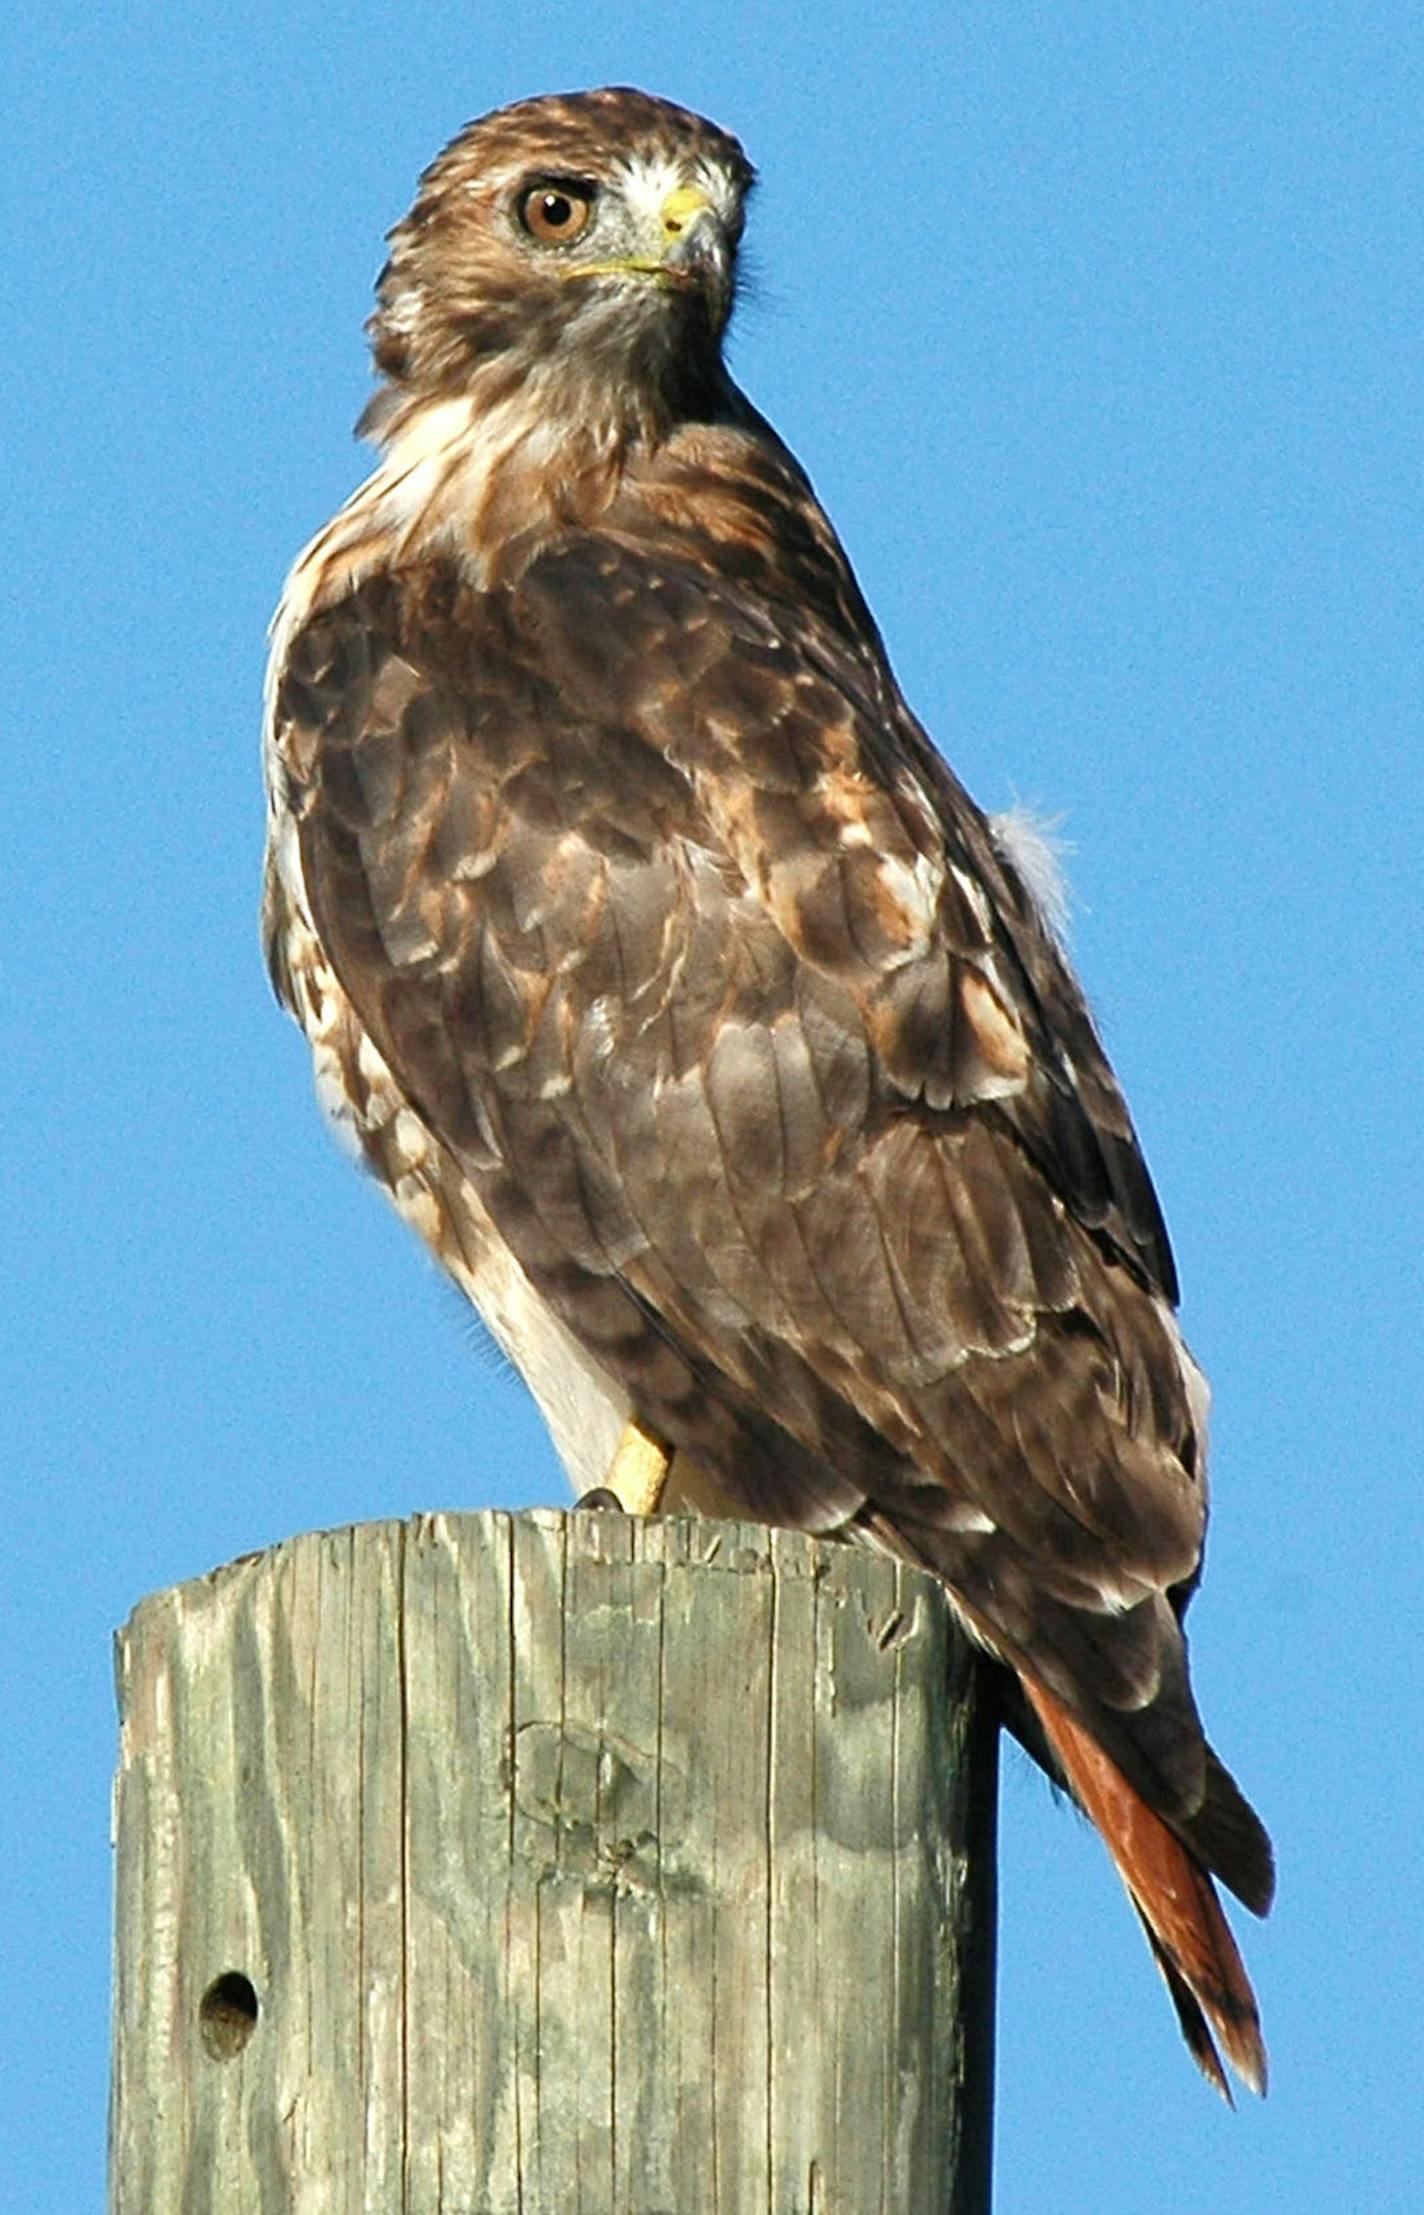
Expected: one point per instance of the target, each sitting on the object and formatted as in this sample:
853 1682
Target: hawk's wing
690 950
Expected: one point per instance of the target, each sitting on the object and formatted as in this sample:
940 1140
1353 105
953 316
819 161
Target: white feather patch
1031 846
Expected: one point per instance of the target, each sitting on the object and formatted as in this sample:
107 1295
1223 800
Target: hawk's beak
693 237
680 211
696 248
691 251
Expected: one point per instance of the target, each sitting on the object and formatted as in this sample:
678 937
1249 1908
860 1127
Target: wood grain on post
552 1865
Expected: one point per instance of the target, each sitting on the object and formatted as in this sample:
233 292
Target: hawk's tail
1176 1899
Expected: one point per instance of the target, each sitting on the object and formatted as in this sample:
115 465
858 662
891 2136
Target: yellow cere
680 207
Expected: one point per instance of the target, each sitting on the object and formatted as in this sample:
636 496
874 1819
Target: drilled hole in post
227 2015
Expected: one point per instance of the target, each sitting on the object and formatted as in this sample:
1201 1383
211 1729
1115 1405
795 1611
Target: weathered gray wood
574 1865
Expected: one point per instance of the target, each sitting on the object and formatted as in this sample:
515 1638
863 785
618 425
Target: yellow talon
639 1470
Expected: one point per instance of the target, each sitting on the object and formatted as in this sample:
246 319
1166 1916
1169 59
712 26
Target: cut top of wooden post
551 1865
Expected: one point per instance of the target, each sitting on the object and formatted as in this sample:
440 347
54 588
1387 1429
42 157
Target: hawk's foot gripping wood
637 1475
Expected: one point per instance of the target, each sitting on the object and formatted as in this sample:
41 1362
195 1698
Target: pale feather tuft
1030 844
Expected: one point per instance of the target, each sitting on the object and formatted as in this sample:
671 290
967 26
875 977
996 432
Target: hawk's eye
556 214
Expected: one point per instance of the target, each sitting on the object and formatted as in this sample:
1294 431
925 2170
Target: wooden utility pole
552 1865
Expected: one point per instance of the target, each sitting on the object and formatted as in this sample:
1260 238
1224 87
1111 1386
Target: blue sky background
1097 326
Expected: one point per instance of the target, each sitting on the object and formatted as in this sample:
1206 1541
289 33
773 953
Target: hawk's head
591 234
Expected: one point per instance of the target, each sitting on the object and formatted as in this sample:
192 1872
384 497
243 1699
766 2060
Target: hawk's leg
637 1475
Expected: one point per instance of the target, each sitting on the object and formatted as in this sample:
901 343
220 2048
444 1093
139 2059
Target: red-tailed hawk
695 1016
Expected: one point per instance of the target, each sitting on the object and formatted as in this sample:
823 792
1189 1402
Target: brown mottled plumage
691 1010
